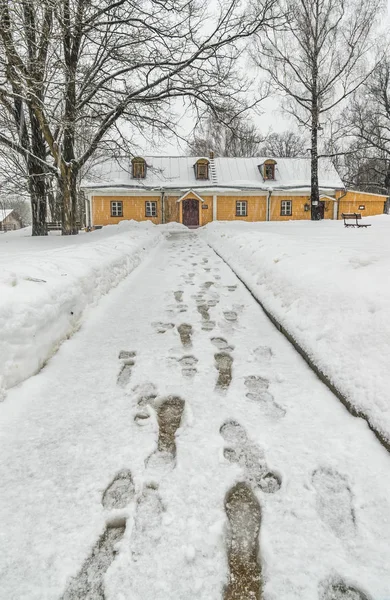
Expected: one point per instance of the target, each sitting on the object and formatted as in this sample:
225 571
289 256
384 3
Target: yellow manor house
197 190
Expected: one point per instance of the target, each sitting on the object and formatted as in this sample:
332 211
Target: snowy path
179 417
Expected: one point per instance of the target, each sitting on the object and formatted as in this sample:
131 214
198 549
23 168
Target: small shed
9 221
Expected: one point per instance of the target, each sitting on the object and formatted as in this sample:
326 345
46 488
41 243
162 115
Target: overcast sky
271 119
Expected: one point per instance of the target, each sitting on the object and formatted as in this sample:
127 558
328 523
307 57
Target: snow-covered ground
329 287
169 431
46 285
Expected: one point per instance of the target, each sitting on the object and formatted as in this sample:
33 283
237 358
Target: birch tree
105 62
318 60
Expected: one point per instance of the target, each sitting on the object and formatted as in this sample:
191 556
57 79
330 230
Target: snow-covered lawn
177 440
329 286
47 283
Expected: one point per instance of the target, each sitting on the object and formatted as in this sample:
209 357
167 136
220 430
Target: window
269 171
138 167
241 208
151 209
286 208
202 168
116 209
362 207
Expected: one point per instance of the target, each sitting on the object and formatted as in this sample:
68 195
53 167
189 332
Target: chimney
211 154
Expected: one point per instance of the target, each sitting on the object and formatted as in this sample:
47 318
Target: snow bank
329 287
173 226
46 285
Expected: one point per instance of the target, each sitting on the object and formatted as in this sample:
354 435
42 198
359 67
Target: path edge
384 441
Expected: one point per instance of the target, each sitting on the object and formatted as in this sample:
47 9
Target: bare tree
318 61
26 25
103 61
368 121
225 136
286 144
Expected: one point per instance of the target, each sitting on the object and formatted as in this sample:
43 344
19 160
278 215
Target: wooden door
191 212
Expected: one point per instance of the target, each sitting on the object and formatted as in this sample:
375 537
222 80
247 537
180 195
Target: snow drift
329 288
47 284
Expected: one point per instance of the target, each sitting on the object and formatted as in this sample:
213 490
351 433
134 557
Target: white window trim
115 205
240 204
152 206
284 209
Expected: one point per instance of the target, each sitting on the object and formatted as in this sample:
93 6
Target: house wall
298 208
207 213
374 204
172 209
133 208
226 208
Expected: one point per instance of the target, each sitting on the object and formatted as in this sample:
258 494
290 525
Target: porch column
335 209
268 207
215 207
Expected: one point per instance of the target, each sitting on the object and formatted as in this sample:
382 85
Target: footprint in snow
230 315
160 327
89 583
188 367
222 344
203 309
244 516
250 457
147 522
208 325
169 413
334 501
223 363
340 591
120 491
258 392
185 332
263 353
127 363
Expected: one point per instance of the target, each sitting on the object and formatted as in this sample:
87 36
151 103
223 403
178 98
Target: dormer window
138 168
267 169
202 168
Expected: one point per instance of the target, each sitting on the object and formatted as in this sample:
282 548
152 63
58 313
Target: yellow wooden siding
172 209
133 208
350 203
298 210
207 213
226 208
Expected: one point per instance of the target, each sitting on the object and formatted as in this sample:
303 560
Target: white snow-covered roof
4 213
177 172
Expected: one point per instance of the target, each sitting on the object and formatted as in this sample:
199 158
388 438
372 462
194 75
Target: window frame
200 167
138 168
119 204
282 208
154 202
242 203
272 169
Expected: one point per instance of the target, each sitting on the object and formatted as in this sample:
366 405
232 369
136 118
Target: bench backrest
351 216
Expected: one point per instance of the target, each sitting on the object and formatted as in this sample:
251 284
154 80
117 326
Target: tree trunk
37 177
315 193
38 204
68 187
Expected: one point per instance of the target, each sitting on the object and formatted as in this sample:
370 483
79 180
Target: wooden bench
57 225
355 217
